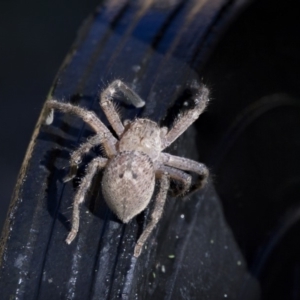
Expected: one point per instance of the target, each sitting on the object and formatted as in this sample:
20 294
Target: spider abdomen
128 183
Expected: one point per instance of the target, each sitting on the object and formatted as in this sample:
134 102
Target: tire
197 251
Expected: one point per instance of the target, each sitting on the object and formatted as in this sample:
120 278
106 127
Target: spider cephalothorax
133 161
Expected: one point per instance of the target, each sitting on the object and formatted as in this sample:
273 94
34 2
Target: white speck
239 263
128 174
225 295
212 241
177 237
171 256
185 103
20 281
163 268
136 68
182 216
19 261
50 117
226 247
50 280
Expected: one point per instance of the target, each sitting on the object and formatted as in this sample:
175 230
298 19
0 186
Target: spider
134 160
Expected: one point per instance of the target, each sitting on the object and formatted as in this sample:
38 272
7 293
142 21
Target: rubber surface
158 50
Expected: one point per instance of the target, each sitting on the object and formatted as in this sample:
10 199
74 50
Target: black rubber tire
159 50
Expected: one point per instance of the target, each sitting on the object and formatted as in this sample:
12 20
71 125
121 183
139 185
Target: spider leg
76 156
91 119
156 214
95 165
178 175
184 121
186 164
109 108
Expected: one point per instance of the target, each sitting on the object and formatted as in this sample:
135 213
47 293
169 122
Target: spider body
141 135
134 160
128 184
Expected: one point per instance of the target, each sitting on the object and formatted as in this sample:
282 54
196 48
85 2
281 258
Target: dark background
35 37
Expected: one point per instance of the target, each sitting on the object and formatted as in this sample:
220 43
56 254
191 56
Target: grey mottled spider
133 161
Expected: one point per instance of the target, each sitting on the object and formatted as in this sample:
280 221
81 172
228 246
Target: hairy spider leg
91 119
95 165
156 214
76 156
186 164
182 123
178 175
109 107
